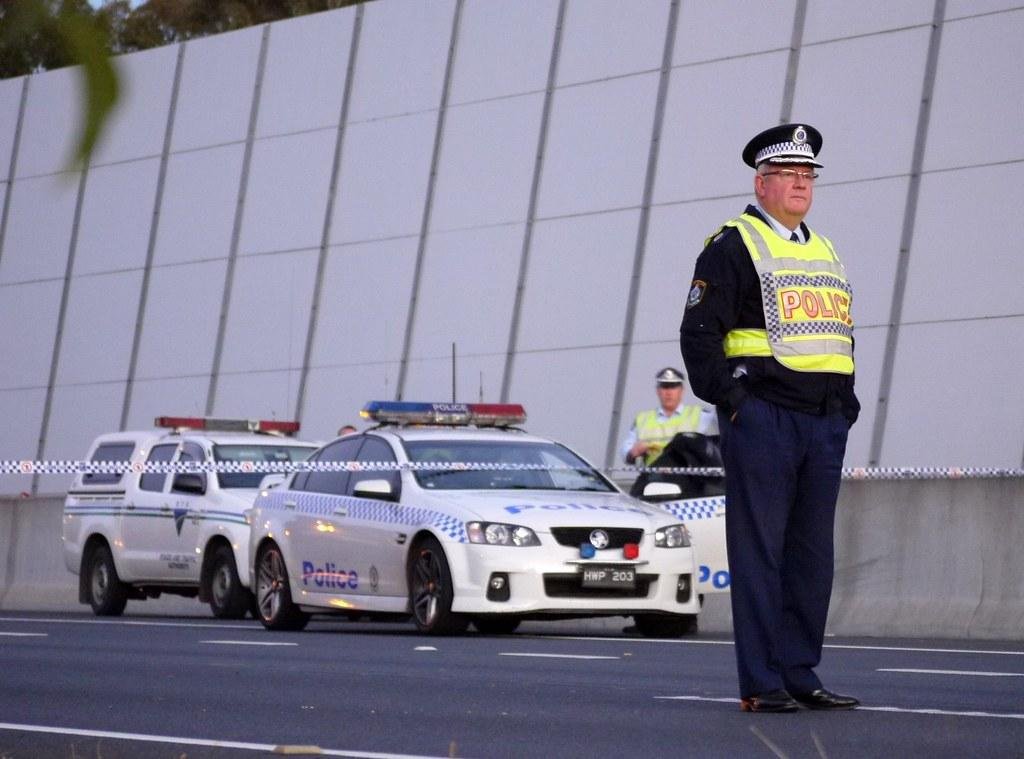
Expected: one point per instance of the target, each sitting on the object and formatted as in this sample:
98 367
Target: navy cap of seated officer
787 143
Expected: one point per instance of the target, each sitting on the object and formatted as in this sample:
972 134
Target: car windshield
255 453
545 466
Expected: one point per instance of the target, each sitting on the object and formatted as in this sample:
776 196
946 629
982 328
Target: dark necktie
794 237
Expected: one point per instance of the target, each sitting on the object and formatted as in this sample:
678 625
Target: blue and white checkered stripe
369 510
701 508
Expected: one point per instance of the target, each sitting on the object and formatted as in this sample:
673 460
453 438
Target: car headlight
497 534
674 536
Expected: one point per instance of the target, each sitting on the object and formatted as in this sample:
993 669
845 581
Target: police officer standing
654 428
767 336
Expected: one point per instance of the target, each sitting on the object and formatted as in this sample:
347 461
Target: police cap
669 376
788 143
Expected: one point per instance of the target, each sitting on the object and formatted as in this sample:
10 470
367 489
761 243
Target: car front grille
570 585
576 536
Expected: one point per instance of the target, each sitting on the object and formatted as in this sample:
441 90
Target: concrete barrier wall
931 558
32 572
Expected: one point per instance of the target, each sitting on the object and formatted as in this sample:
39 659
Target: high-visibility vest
657 431
806 298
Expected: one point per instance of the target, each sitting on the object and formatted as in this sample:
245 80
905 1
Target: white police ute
139 533
450 514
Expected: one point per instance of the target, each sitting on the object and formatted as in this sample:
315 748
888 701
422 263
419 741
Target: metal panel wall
297 218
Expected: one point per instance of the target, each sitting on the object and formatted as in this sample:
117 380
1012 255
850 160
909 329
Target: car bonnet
544 509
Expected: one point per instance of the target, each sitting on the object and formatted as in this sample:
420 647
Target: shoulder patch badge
697 290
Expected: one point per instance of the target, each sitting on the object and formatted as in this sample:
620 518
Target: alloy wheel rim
270 584
426 587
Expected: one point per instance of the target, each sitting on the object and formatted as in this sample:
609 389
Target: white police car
451 515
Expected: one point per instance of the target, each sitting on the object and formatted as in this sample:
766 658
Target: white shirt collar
781 229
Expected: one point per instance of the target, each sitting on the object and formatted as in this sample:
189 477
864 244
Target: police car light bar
449 414
227 425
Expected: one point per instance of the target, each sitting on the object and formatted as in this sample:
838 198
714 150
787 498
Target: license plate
609 577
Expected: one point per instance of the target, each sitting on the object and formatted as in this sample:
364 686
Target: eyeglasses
790 175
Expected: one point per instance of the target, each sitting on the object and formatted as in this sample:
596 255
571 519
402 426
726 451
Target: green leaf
88 46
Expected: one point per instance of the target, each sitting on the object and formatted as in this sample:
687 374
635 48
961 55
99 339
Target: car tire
665 625
273 593
431 590
496 624
228 599
107 594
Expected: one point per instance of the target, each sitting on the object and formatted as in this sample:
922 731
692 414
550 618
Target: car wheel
665 625
496 624
431 592
273 593
107 594
228 599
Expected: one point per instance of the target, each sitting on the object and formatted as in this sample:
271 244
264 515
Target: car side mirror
378 489
189 482
272 480
662 491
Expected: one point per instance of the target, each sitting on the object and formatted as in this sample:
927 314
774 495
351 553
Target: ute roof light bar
448 414
211 424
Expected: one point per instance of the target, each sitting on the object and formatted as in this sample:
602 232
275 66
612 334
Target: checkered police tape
284 467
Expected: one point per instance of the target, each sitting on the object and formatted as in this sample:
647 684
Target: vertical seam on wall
11 169
151 243
531 209
61 315
793 63
236 231
428 204
632 300
906 236
332 191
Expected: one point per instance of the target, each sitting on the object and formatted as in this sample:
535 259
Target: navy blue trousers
783 470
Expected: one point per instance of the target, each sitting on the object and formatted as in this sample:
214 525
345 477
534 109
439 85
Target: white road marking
271 747
952 672
897 709
939 712
926 650
683 642
24 635
558 656
248 643
847 646
129 623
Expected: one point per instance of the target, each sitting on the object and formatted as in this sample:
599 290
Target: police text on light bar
448 414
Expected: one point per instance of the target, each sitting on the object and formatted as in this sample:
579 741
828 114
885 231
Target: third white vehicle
139 534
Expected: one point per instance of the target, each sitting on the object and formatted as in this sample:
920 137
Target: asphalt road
76 686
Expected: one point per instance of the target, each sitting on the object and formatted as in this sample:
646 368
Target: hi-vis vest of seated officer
653 429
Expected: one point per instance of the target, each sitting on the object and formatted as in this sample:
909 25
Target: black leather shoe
772 701
825 699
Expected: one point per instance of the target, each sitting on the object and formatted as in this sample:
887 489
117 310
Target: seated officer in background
653 429
686 449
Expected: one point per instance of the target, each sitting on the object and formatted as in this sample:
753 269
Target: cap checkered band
792 152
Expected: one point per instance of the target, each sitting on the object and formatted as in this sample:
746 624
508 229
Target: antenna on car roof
453 372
